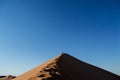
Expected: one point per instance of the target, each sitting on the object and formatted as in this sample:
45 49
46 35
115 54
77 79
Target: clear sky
34 31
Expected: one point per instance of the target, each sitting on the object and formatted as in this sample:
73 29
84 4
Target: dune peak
67 67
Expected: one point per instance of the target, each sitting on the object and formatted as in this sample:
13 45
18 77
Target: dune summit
66 67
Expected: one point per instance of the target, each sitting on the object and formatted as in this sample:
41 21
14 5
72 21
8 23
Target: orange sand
66 67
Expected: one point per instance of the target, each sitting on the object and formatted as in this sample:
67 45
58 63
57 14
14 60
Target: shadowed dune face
77 70
66 67
2 76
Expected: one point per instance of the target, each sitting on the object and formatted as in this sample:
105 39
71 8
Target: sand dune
9 77
66 67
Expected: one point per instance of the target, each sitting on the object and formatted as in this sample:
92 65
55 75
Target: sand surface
66 67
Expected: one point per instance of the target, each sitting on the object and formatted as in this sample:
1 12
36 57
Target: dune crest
66 67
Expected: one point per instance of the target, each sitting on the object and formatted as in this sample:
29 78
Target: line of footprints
50 72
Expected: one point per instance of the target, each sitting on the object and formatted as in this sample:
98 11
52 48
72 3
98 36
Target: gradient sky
34 31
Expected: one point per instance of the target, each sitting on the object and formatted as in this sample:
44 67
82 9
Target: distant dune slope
66 67
9 77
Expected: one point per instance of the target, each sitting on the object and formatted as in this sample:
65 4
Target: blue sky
34 31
